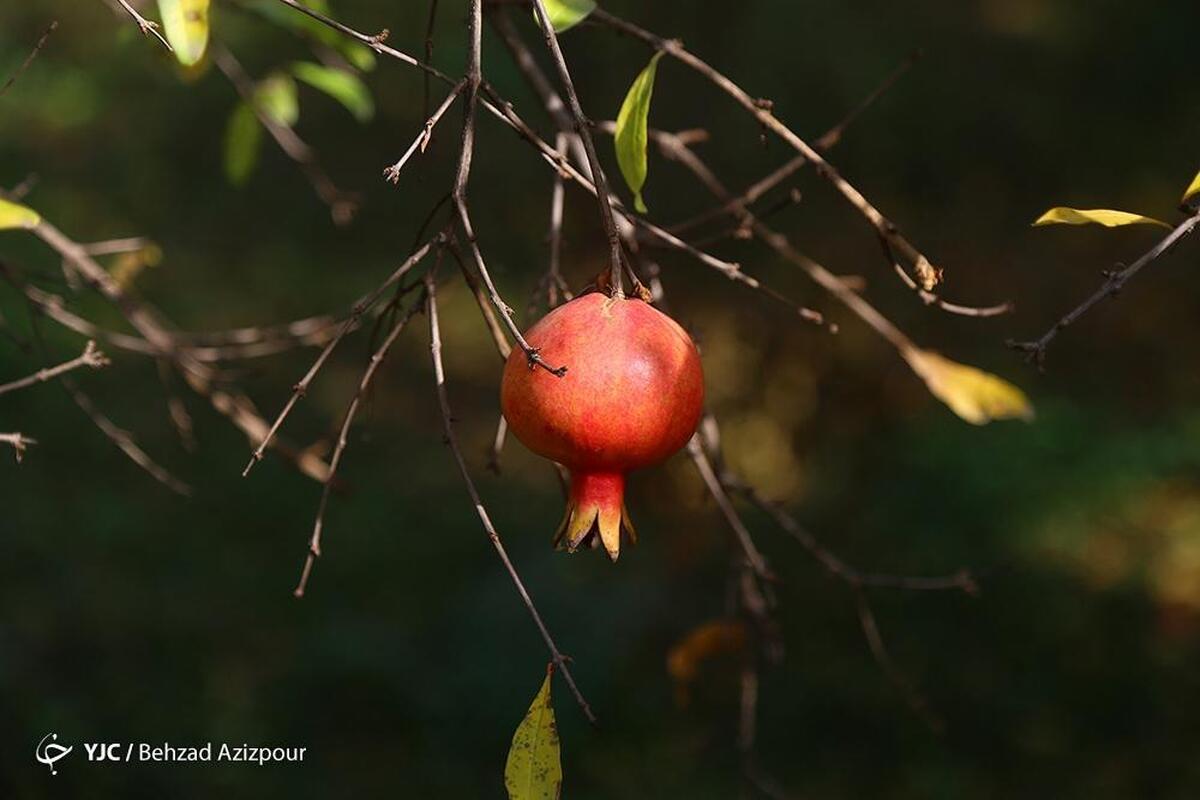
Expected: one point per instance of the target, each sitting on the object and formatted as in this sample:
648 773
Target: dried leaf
13 215
566 14
343 86
533 770
128 266
1193 189
632 131
714 638
1100 216
185 23
974 395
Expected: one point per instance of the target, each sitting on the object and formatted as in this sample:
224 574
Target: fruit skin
632 395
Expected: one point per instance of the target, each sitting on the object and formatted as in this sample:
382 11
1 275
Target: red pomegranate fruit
631 396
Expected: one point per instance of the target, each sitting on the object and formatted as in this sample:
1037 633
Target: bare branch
124 440
37 48
435 348
19 442
926 274
91 357
462 176
147 27
603 196
1114 281
392 173
744 539
348 324
314 543
342 205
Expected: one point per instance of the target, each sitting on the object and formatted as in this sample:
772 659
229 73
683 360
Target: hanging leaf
243 136
977 396
566 14
185 23
712 639
534 771
631 136
1100 216
1193 189
345 87
13 215
277 98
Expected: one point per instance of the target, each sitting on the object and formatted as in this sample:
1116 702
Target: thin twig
359 308
914 698
342 205
19 442
753 556
762 110
603 196
435 348
1114 281
314 542
124 440
433 7
148 27
462 176
91 357
392 173
37 48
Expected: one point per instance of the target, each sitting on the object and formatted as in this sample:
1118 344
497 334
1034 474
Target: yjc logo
50 751
103 752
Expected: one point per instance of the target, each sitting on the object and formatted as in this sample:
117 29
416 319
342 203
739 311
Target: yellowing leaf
13 215
533 771
632 127
566 14
343 86
1100 216
1193 189
185 23
977 396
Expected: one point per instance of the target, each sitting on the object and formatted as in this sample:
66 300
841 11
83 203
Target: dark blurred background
132 614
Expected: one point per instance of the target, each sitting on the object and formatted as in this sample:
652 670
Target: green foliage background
130 614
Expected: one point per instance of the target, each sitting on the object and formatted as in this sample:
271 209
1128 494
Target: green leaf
974 395
632 126
13 215
345 87
277 98
566 14
243 136
1100 216
1193 189
534 771
185 24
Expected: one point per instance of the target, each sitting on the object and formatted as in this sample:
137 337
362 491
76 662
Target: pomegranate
631 397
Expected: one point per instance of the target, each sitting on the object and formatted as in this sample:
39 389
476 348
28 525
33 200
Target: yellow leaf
13 215
977 396
533 771
185 23
1100 216
1193 189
